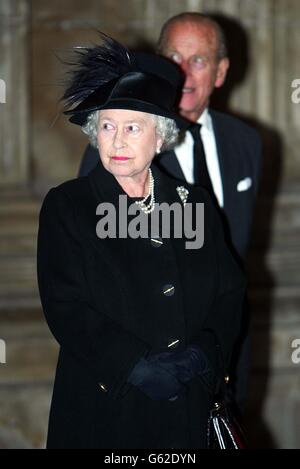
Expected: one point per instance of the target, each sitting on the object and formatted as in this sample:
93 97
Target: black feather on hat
109 76
95 66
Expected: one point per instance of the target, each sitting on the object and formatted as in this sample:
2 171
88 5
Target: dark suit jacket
239 152
105 304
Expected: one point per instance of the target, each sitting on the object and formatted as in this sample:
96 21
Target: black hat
108 76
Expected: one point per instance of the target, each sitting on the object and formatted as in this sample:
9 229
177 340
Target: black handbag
223 428
224 431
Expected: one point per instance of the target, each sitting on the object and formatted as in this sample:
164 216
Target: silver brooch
183 193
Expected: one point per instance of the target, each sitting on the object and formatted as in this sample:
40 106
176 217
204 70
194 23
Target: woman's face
127 141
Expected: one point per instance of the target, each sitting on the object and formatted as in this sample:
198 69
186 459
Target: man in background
218 151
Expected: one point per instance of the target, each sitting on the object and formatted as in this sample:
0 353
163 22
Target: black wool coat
110 301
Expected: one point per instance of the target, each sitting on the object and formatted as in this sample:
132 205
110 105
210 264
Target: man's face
194 48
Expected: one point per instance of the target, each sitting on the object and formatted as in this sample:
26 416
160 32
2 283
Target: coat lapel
105 188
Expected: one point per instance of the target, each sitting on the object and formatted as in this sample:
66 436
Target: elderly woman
143 323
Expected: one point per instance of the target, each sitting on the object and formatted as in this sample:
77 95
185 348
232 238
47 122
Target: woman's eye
107 126
133 128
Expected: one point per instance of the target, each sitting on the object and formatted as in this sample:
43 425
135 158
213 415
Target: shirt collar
205 120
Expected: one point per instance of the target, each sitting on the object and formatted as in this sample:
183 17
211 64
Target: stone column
14 116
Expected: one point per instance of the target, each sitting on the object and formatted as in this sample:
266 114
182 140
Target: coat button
173 343
169 290
103 387
156 242
172 399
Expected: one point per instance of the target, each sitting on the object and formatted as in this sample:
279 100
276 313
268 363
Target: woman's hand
185 364
164 375
155 380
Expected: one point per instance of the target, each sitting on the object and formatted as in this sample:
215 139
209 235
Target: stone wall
14 70
266 35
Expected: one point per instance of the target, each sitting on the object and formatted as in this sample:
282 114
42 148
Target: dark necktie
201 175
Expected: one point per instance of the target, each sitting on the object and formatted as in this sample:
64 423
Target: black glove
163 375
185 364
155 380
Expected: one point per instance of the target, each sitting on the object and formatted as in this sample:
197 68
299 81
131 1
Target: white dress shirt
185 155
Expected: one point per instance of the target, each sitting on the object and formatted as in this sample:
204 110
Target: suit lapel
168 163
227 162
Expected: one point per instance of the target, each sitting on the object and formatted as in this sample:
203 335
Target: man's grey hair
165 128
197 18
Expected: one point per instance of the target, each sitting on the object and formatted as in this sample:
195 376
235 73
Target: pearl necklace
149 207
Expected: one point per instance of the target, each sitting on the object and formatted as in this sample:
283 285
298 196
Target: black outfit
201 174
110 302
239 152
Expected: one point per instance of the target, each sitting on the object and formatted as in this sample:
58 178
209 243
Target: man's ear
221 72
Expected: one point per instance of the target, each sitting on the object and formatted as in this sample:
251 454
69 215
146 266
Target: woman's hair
166 129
